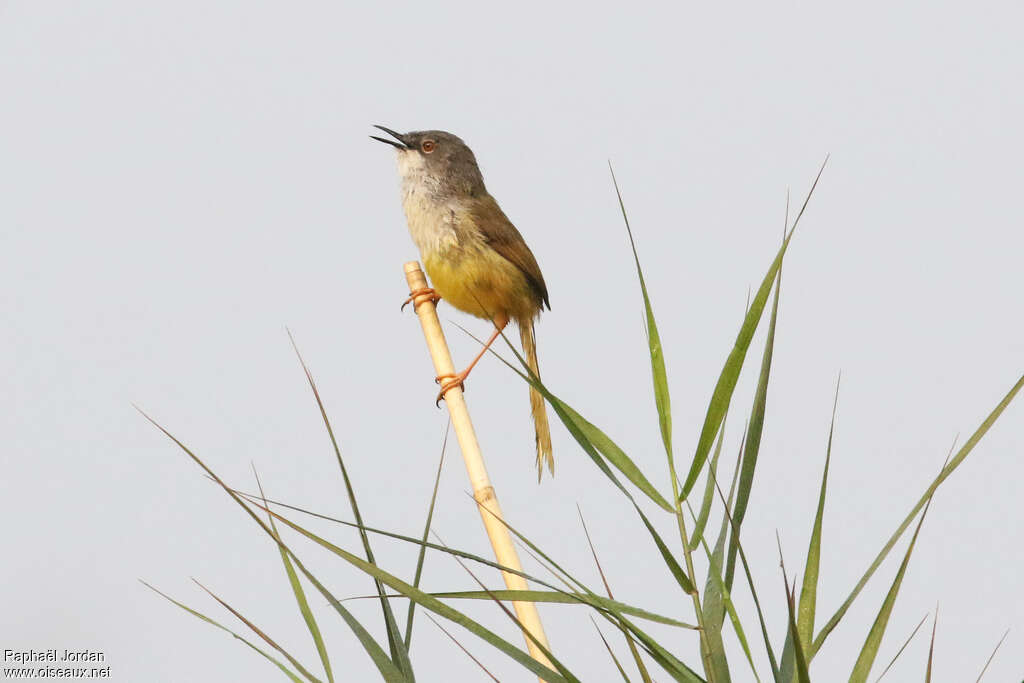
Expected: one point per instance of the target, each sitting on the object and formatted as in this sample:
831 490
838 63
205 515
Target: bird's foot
418 296
449 382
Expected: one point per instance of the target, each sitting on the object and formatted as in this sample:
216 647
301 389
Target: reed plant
697 491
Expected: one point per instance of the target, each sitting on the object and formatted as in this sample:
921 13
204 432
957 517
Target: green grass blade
300 595
622 672
803 675
463 648
594 442
615 455
931 647
809 589
399 653
431 603
563 598
715 589
661 396
992 656
426 533
902 648
543 647
666 555
721 595
722 394
637 659
641 667
387 668
755 426
284 669
801 661
665 659
867 655
700 523
753 590
270 641
964 451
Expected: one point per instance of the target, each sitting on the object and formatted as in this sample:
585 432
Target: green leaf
562 598
754 429
423 548
284 669
661 396
809 589
722 395
867 655
622 672
709 492
385 666
902 648
667 557
606 447
962 454
294 662
594 442
300 595
433 604
399 652
801 661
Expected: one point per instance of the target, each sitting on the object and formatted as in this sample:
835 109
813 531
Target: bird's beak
401 144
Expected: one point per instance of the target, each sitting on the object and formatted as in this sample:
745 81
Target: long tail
537 407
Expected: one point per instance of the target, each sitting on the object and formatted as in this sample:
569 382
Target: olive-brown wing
499 234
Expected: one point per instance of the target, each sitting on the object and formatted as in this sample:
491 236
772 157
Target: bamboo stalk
483 492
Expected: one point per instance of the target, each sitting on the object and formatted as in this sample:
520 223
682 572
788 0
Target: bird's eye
428 146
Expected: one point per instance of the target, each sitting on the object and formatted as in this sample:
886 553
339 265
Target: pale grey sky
180 181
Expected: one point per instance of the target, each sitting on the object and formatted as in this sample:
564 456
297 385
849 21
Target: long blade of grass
664 658
660 379
809 589
666 555
755 423
399 653
931 647
300 595
715 572
266 638
526 632
563 598
641 667
430 603
992 656
385 666
622 672
964 451
594 442
902 648
753 590
722 394
284 669
715 589
866 658
803 676
709 491
463 648
426 533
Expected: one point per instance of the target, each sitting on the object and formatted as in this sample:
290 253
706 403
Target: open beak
401 144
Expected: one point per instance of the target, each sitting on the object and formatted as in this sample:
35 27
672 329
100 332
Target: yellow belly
481 282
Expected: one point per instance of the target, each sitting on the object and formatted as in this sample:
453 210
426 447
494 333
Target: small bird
476 259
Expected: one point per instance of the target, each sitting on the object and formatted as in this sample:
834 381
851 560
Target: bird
475 257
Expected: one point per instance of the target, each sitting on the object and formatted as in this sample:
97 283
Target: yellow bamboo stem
483 492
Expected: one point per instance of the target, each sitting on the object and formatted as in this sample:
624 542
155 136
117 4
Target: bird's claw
418 296
449 382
